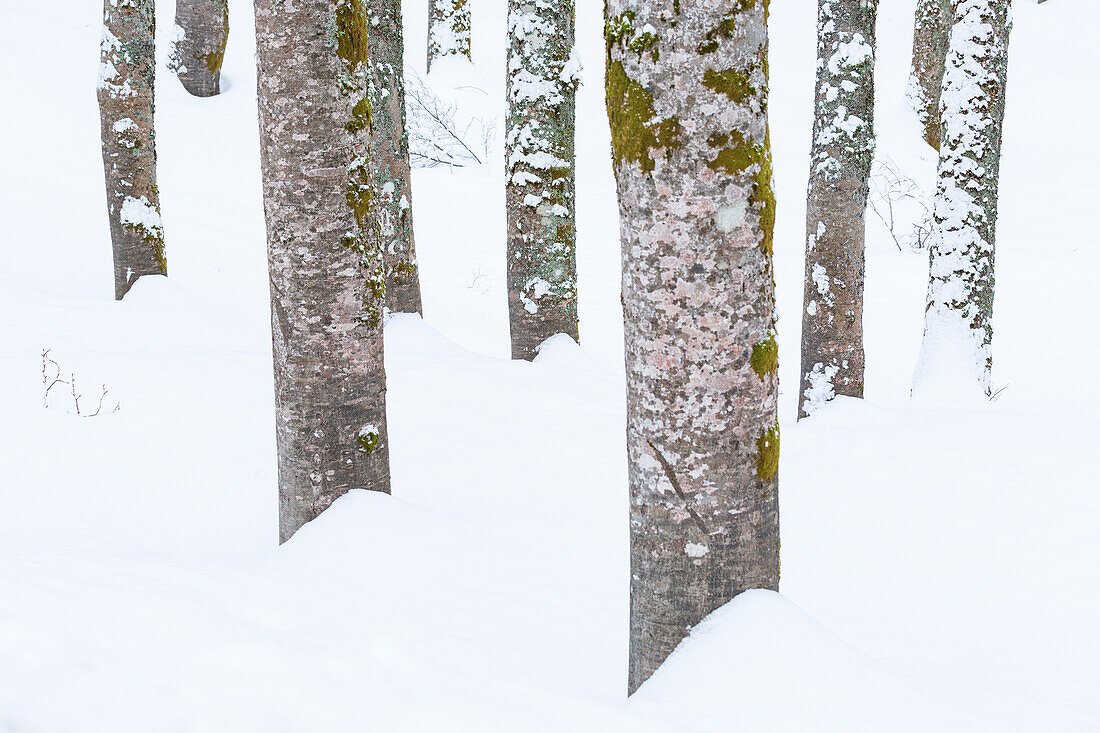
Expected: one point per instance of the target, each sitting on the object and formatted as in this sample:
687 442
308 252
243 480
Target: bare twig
671 475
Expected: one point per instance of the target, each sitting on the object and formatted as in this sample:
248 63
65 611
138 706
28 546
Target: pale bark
687 98
448 29
956 357
198 44
930 29
324 253
541 177
125 92
390 160
840 165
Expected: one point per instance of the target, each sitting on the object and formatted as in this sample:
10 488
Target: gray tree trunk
687 98
540 161
930 30
840 165
390 162
324 253
126 74
448 29
956 355
198 44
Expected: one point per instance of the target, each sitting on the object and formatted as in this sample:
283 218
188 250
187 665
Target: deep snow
940 565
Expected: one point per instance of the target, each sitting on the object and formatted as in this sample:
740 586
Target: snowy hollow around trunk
938 564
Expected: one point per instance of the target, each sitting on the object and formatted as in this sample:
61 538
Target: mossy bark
541 177
930 30
125 90
198 45
840 165
449 27
693 172
324 253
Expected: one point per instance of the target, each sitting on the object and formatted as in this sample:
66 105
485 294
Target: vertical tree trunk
198 44
325 256
956 355
930 30
687 98
391 156
126 74
448 29
840 165
539 148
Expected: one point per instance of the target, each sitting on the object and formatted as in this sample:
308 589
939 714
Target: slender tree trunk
687 98
198 44
539 147
840 165
391 156
324 252
956 357
126 74
448 29
930 30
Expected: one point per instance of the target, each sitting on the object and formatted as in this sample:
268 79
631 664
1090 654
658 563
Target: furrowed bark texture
324 254
390 160
198 44
541 178
956 353
448 29
840 165
687 100
125 91
930 31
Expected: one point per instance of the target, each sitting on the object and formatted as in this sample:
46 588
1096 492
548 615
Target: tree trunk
448 29
930 30
687 99
324 252
390 162
539 148
956 357
198 44
126 74
840 165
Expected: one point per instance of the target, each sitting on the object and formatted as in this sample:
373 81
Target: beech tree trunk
198 44
448 29
930 30
687 98
956 356
324 252
390 162
840 165
543 75
125 90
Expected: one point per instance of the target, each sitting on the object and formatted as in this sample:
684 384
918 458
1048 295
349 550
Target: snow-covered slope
939 566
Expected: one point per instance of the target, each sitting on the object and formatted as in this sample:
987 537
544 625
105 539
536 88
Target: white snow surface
939 565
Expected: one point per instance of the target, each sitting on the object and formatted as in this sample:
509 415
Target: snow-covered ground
940 566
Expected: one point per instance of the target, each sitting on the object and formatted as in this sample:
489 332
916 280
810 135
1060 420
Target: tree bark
198 45
840 165
687 98
125 90
956 357
448 29
390 161
541 179
930 30
324 253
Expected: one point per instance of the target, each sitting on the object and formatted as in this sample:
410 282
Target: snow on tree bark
390 159
448 29
125 90
687 98
198 44
543 74
930 29
324 254
956 356
840 165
